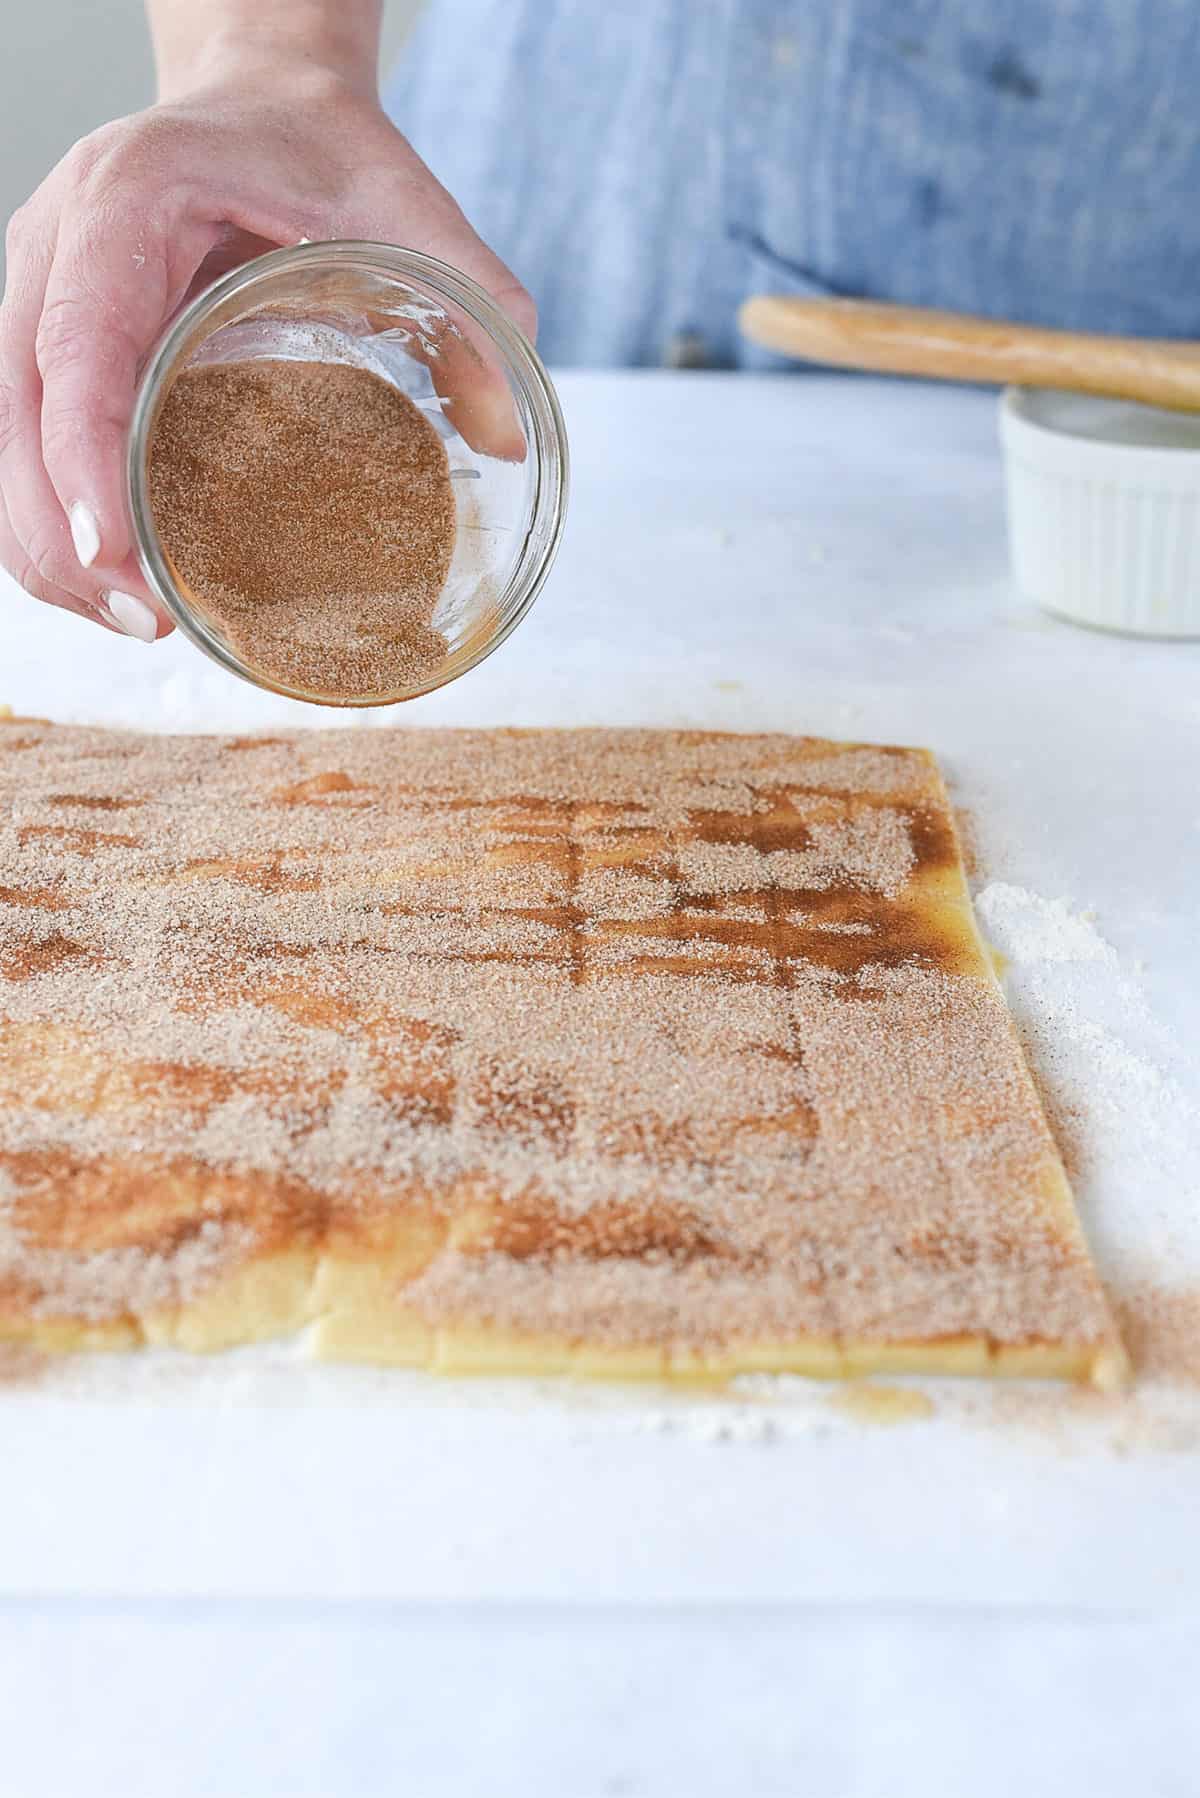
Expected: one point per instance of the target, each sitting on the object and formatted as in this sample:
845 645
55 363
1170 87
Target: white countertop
821 555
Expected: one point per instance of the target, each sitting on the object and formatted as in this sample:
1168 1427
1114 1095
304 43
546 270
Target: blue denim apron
644 165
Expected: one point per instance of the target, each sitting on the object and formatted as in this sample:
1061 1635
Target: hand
135 218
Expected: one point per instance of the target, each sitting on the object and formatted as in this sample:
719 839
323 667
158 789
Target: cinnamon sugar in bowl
347 473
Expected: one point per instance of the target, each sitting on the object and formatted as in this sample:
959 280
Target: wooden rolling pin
953 346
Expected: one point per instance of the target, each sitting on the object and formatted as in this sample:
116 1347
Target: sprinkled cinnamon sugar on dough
630 1049
1162 1329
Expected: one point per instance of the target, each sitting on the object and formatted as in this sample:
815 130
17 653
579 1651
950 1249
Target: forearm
207 43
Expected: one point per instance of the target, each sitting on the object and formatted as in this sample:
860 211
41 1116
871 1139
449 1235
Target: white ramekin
1104 510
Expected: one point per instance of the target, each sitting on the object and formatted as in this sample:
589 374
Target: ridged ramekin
1104 510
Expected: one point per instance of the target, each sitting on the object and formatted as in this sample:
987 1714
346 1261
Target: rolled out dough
623 1053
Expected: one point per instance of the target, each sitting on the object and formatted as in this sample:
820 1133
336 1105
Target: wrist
302 50
303 80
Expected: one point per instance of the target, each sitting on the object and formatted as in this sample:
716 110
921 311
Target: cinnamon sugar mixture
662 1038
307 507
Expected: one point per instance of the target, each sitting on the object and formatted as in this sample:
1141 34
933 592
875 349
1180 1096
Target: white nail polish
85 533
132 615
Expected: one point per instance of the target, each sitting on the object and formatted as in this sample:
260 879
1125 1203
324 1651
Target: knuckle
76 344
106 220
27 577
17 231
78 162
45 556
521 308
10 416
88 428
86 158
47 593
62 334
121 157
63 435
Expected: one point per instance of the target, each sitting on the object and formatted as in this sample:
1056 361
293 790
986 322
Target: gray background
71 64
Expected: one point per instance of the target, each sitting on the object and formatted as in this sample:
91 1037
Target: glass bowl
433 334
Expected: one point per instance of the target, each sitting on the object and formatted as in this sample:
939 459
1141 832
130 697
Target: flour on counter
1028 928
715 1423
1110 1071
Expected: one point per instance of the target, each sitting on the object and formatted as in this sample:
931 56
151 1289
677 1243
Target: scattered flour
715 1423
1028 928
1117 1082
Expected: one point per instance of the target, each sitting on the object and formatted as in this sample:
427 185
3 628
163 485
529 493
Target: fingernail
85 533
132 615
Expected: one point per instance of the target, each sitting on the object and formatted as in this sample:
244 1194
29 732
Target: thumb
465 364
467 368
